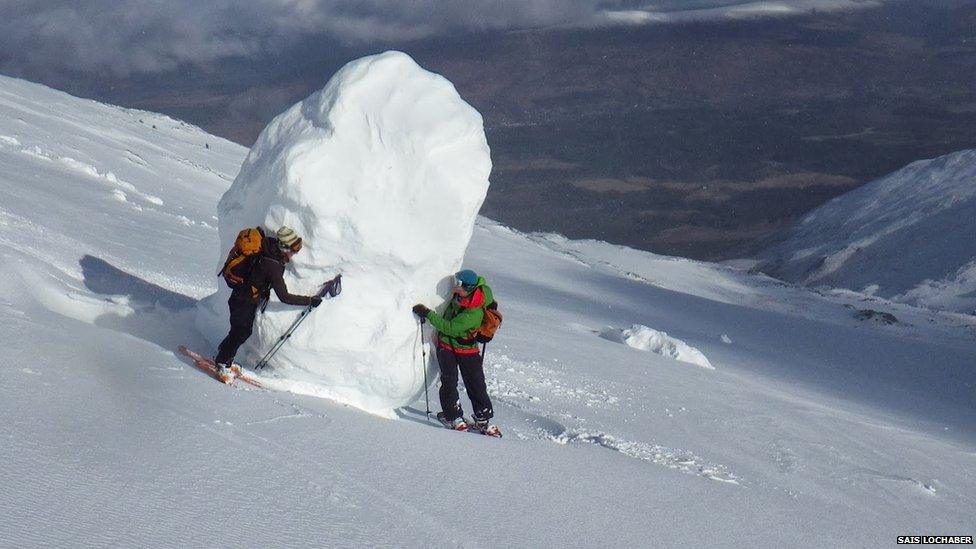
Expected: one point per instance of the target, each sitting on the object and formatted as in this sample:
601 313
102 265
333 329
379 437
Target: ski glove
421 311
315 301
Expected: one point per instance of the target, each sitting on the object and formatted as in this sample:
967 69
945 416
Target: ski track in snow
672 458
533 374
202 168
518 384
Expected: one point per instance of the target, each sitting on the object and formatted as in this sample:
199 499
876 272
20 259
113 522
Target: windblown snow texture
907 236
382 173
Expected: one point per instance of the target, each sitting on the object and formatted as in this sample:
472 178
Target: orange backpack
489 323
240 260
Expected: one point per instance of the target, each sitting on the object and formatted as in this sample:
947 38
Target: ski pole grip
332 287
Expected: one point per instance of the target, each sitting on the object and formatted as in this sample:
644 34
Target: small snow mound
643 338
382 173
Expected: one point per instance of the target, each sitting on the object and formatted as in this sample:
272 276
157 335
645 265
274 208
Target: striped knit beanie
286 237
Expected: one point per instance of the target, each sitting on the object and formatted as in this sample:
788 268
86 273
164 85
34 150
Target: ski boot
457 424
225 373
487 429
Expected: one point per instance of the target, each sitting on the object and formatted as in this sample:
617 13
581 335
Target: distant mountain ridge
698 139
909 236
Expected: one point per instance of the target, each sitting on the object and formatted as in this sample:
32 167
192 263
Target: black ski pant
473 375
241 324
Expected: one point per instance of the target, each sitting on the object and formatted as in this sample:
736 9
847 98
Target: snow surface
644 338
907 236
382 173
815 428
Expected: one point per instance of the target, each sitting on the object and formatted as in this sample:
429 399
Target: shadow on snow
159 316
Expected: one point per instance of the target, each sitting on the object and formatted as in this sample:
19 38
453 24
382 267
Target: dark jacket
266 274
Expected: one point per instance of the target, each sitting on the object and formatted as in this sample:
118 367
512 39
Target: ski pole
423 352
281 340
332 288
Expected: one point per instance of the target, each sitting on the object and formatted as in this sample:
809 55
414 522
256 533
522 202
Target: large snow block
382 173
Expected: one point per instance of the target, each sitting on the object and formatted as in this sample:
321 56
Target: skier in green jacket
457 349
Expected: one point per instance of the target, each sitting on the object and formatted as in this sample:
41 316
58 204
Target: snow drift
382 173
642 338
906 236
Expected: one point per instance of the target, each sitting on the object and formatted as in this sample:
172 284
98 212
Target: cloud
731 9
121 37
125 37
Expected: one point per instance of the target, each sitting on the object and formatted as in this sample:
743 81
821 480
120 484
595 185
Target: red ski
208 367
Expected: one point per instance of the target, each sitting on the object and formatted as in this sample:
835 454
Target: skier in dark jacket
265 274
457 349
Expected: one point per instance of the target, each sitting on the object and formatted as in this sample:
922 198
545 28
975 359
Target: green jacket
455 329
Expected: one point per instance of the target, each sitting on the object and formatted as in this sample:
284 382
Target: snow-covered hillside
820 424
907 236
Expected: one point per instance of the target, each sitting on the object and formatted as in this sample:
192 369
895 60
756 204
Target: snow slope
907 236
814 428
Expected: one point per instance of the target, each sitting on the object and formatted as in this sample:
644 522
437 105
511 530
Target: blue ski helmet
467 277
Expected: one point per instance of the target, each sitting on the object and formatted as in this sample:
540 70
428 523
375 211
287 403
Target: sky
123 38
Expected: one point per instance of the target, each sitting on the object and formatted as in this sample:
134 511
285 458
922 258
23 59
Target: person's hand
421 311
315 301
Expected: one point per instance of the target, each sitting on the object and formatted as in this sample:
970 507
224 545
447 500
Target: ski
208 367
